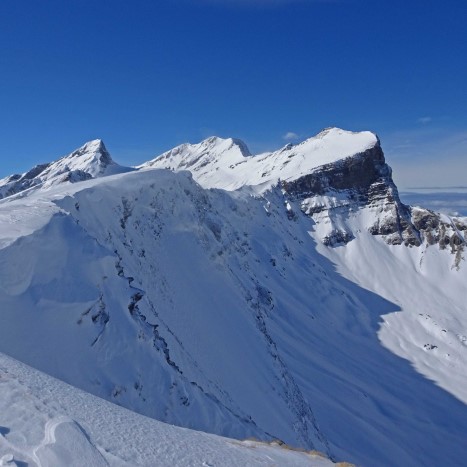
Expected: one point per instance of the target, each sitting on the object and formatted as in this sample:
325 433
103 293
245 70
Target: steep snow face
91 160
214 310
135 278
45 422
227 164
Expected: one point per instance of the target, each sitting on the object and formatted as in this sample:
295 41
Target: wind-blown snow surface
44 422
223 312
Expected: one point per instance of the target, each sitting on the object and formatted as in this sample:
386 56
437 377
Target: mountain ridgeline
288 295
329 186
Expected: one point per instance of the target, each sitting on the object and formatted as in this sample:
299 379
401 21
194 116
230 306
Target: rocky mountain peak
335 194
91 160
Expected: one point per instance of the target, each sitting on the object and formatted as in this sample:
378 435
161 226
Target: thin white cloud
424 120
290 136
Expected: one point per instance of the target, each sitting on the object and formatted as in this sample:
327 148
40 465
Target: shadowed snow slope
280 315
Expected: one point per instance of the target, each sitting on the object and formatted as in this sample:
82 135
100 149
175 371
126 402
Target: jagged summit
203 159
94 144
91 160
95 148
226 144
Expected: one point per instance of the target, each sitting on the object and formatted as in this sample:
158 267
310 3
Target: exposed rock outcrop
334 191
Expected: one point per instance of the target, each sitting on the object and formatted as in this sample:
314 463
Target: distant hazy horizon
445 200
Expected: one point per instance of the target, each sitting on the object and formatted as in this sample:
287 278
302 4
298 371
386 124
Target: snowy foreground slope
45 422
289 295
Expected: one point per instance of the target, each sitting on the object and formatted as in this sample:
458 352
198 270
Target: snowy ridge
227 163
91 160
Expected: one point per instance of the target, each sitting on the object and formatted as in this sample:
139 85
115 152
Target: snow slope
110 270
429 329
45 423
225 312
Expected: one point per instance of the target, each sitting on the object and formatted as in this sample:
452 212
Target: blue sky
147 75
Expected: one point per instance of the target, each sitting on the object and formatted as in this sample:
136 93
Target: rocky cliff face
334 192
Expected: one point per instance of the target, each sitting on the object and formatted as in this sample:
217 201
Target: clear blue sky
147 75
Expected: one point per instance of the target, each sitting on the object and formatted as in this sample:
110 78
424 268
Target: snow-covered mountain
228 164
333 174
92 160
289 295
